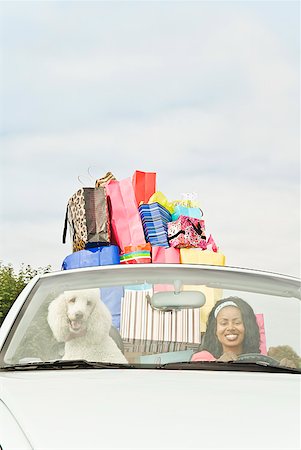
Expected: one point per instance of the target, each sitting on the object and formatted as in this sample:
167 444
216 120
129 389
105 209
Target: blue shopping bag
181 210
100 256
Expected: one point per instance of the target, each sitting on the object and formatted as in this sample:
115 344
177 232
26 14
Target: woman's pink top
203 356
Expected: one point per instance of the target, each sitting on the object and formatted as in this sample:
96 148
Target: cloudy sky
206 94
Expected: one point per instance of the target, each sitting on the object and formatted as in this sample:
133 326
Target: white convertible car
152 356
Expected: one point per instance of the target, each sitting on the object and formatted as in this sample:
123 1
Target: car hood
146 409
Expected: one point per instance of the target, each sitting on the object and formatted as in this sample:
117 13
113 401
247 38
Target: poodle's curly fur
81 320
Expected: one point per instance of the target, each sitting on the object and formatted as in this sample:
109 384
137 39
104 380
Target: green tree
12 283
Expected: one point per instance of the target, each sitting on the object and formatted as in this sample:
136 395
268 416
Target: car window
162 319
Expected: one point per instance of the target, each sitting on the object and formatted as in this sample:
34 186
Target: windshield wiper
237 366
65 364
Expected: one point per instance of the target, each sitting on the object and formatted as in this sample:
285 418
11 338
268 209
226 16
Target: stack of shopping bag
130 222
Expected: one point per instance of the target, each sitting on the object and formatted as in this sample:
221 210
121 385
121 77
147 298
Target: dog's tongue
75 324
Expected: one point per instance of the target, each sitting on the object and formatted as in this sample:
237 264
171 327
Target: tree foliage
12 283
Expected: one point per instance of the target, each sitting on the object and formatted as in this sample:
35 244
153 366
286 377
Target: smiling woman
232 330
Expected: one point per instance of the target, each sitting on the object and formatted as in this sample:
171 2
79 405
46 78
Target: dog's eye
89 303
72 300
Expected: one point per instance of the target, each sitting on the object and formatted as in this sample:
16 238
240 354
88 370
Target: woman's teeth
231 337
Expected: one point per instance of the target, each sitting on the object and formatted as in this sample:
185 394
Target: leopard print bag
88 218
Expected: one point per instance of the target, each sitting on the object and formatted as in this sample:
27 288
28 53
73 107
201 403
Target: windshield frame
211 276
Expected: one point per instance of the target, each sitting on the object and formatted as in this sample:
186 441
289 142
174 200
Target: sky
204 93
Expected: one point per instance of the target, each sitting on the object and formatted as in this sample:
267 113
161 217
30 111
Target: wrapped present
154 220
136 254
187 232
144 184
88 218
125 219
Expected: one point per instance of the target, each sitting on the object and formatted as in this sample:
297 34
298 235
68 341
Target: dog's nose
79 315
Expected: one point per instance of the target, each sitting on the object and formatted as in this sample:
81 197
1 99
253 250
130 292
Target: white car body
149 408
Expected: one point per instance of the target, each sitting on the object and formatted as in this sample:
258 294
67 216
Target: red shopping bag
144 184
125 219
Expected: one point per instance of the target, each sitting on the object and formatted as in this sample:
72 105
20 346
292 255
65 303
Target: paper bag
144 184
198 256
187 232
161 255
125 219
88 218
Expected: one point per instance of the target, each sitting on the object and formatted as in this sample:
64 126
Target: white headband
222 305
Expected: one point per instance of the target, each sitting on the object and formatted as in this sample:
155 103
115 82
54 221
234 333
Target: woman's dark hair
251 341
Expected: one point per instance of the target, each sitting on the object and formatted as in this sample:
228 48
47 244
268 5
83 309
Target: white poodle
81 320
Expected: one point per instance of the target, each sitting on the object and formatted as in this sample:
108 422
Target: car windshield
156 315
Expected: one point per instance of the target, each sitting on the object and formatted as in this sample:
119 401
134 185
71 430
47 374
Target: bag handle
65 226
79 177
197 228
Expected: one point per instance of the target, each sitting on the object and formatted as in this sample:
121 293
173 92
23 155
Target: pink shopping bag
186 232
125 219
260 323
161 255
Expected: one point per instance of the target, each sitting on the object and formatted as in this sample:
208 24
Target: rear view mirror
170 300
